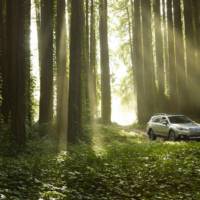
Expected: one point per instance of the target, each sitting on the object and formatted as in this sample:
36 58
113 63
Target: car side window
156 120
163 119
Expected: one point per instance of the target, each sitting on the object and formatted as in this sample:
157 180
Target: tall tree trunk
171 59
46 74
92 65
196 23
130 32
149 72
61 58
165 43
87 32
38 23
179 53
190 55
105 69
16 13
159 43
1 54
86 109
138 59
76 67
29 84
5 68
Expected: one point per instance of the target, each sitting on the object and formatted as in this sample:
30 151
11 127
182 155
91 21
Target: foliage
126 166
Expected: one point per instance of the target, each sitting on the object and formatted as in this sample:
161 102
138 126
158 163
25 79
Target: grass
119 164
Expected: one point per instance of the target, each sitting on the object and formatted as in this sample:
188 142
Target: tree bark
165 43
46 73
5 108
149 71
196 46
1 54
130 32
61 58
92 65
105 69
190 55
38 23
16 13
179 53
171 59
86 104
138 59
159 45
76 67
29 83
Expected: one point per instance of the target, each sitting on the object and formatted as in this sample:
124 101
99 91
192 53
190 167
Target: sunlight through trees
143 53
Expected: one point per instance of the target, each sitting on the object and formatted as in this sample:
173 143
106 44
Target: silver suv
172 127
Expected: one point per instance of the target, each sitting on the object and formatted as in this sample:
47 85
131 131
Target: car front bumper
189 136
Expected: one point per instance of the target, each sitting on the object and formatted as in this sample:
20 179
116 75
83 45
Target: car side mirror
165 123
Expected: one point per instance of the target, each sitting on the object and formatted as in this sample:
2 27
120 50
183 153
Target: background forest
70 70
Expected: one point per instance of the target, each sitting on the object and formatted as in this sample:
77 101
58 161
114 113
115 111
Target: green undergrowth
117 165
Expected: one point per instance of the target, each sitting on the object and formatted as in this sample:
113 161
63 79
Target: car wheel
152 135
172 136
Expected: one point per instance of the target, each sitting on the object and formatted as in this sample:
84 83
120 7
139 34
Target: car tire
152 135
172 136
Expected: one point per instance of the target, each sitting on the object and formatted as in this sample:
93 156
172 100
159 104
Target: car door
156 125
163 127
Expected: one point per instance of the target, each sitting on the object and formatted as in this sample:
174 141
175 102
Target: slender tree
179 53
165 43
87 31
5 107
1 52
61 57
46 73
196 47
171 59
92 63
105 70
159 43
149 72
85 71
29 83
130 31
138 61
38 23
190 53
76 67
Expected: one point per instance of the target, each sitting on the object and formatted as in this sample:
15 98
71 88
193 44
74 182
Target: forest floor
118 164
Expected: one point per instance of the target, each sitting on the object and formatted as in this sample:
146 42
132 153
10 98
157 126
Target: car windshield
179 120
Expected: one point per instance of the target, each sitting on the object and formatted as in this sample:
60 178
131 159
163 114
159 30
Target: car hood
187 125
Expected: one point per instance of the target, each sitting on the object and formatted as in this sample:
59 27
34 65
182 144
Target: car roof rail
159 114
